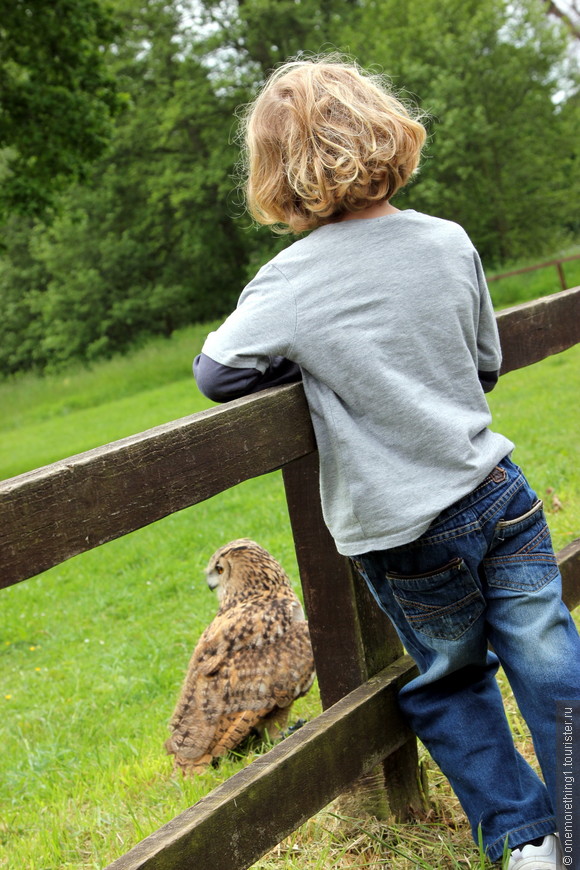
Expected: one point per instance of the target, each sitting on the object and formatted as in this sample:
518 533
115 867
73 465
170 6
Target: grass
93 652
95 405
532 285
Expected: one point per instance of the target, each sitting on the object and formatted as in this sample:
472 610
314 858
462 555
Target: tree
23 282
57 97
500 156
569 13
256 35
155 236
149 241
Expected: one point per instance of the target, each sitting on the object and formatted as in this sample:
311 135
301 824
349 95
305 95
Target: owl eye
219 569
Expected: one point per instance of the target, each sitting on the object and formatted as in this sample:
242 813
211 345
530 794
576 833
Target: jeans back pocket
522 558
443 603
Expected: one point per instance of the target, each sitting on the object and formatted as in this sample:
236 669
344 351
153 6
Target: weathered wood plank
351 637
257 807
49 515
569 563
535 330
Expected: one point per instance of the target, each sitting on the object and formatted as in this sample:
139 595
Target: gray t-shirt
390 321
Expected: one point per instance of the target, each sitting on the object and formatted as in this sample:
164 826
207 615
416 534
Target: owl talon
292 728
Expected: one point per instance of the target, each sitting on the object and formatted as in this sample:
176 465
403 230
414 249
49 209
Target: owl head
243 568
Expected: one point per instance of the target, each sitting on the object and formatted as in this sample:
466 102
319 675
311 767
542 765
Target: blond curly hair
323 138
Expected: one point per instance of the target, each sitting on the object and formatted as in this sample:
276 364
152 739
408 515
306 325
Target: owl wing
241 626
274 674
207 722
299 660
208 713
233 728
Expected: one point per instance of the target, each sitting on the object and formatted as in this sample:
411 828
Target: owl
250 664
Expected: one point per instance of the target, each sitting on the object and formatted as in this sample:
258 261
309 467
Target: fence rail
239 821
556 263
125 485
61 510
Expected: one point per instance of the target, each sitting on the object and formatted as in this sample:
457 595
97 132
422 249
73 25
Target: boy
386 316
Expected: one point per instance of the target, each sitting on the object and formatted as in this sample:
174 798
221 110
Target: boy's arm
252 348
488 380
488 346
222 383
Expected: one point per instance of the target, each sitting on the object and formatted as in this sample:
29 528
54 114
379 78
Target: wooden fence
61 510
557 264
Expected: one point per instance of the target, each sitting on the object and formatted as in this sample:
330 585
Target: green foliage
107 401
56 97
502 153
155 236
146 245
263 33
23 280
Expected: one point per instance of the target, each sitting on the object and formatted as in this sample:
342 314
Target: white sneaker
548 856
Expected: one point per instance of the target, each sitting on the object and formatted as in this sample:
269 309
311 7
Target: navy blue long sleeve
223 383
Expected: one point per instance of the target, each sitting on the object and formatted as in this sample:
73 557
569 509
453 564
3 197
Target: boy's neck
377 209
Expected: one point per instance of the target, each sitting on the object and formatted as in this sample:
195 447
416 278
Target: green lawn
531 285
94 651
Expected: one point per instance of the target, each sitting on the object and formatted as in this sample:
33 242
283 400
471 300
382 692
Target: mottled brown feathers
250 663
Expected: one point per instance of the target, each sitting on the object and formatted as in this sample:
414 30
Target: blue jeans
484 572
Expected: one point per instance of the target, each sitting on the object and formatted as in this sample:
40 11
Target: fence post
351 637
